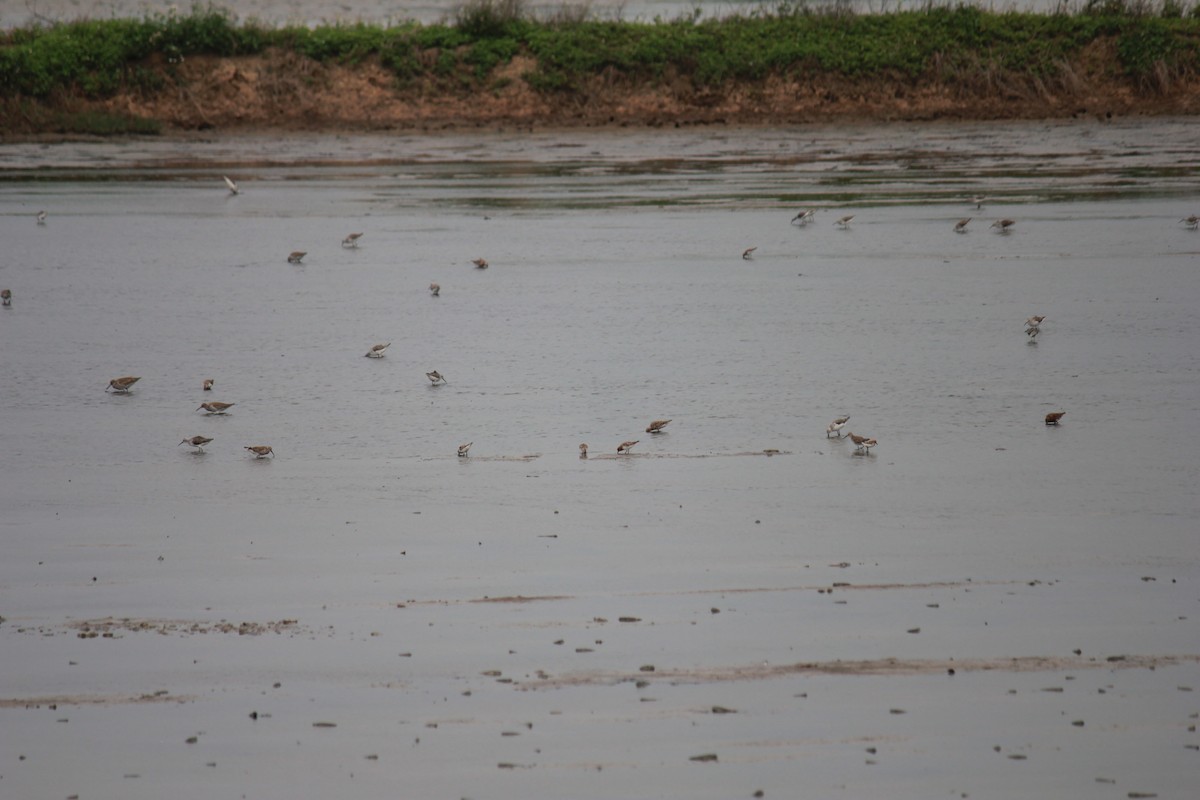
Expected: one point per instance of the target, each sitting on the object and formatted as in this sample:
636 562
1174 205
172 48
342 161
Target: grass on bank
1154 44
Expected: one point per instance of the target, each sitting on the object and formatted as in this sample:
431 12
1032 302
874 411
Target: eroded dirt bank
285 91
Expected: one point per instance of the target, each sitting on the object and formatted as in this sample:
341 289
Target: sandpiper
844 222
41 218
978 201
836 426
208 384
233 187
197 442
1054 416
122 385
1004 225
435 377
463 449
6 296
858 440
804 217
435 289
261 450
625 447
1192 222
296 256
351 240
480 263
868 443
961 225
376 351
1034 322
748 253
215 407
583 450
657 425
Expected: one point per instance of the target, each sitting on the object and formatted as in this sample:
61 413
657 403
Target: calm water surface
616 294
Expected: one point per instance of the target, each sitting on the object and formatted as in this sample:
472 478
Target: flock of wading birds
863 444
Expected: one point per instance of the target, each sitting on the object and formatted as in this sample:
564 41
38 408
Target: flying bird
233 187
625 447
351 240
657 425
197 442
295 256
836 426
122 385
215 407
1054 416
261 450
463 449
376 351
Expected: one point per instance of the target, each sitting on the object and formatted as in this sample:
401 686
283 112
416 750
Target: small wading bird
215 407
625 447
860 442
463 449
261 450
6 296
435 289
1191 222
978 201
657 426
961 225
197 442
868 443
351 240
296 256
1054 416
41 217
208 384
480 263
804 217
435 377
583 450
376 351
1033 327
844 222
1004 225
748 253
836 426
233 187
122 385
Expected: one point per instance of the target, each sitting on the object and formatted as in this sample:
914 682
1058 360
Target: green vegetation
950 44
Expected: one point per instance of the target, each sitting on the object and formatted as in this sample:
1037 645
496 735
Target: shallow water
616 294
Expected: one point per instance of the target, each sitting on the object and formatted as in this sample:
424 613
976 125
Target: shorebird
625 447
480 263
978 200
197 442
859 441
1034 322
1033 332
583 450
435 289
233 187
261 450
844 222
961 225
657 425
6 296
836 426
463 449
748 253
868 443
295 256
41 217
208 384
1004 225
215 407
1054 416
804 217
435 377
1192 222
122 385
376 351
351 240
